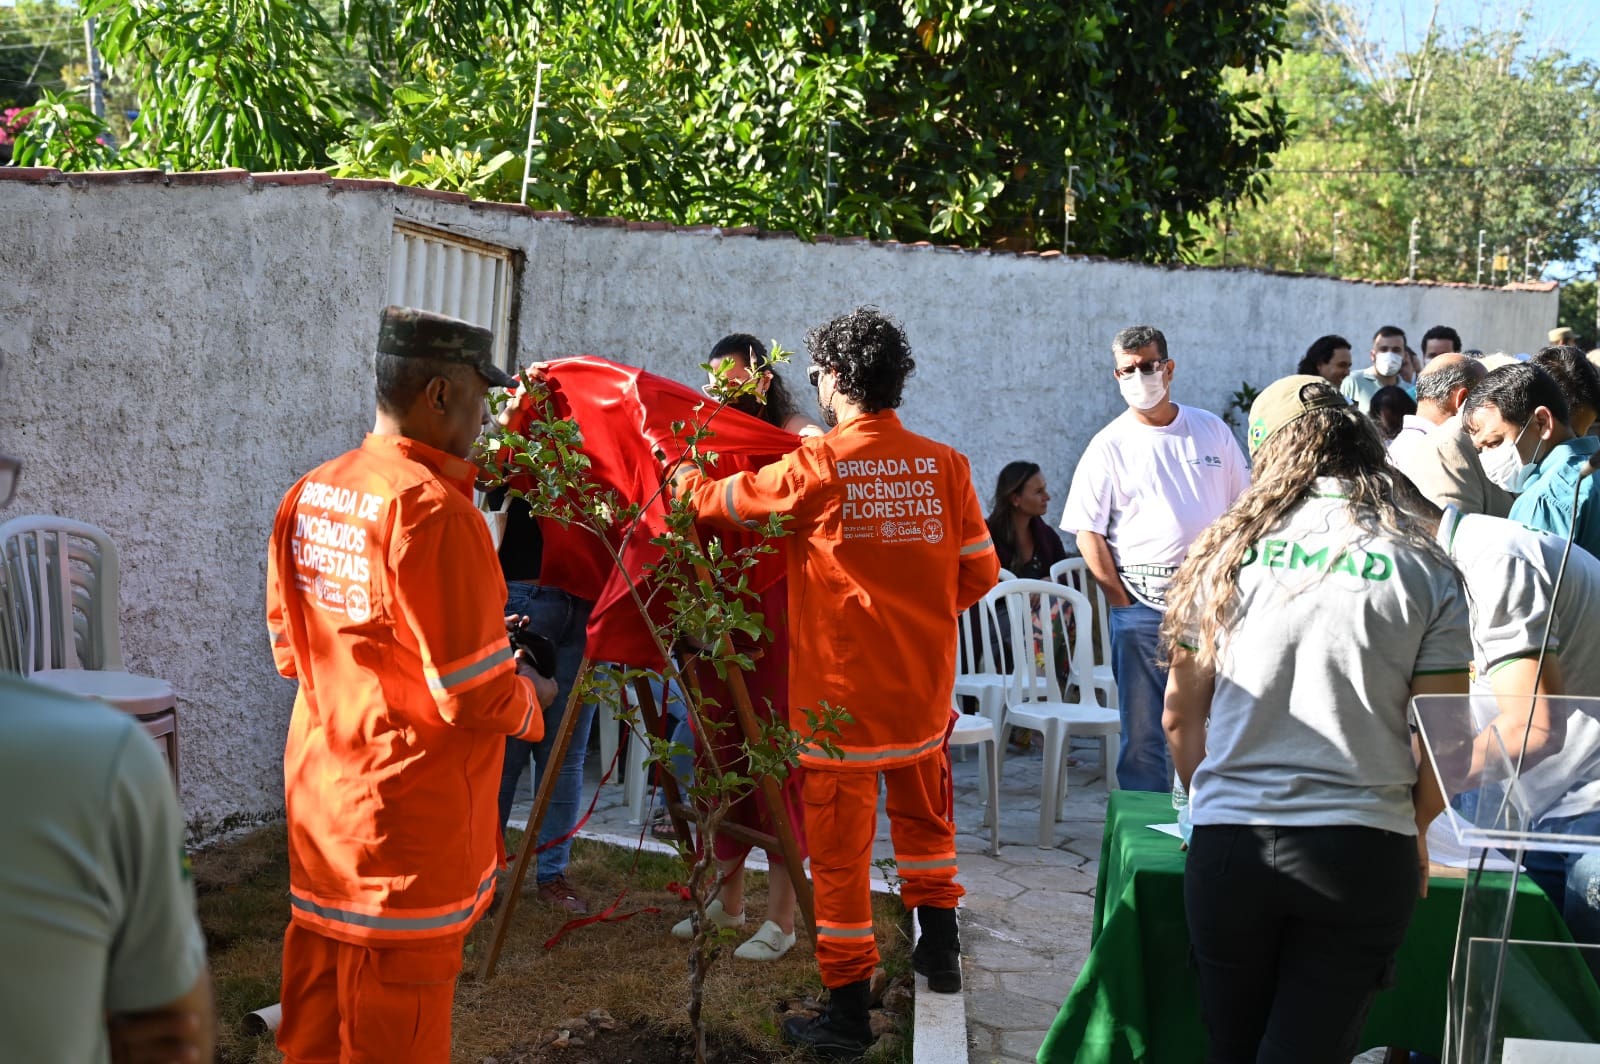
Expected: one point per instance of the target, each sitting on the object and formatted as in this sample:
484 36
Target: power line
1419 171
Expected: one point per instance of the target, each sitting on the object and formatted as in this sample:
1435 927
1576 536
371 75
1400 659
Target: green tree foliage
948 119
1487 133
38 40
1578 310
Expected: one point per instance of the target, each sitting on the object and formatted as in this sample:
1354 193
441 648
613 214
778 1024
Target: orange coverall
888 546
384 600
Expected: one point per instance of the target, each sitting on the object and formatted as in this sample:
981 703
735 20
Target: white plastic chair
975 730
1029 604
59 626
1074 572
979 641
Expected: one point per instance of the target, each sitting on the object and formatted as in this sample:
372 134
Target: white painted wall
174 357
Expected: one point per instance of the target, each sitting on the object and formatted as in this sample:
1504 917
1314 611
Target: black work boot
842 1030
938 952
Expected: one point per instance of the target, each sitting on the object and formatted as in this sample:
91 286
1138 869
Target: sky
1571 25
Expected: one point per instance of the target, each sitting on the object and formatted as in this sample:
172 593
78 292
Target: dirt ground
609 992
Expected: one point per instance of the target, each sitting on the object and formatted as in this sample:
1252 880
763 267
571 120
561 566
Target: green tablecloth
1137 998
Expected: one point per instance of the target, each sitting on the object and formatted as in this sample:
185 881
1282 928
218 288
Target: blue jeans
1144 763
1572 880
562 619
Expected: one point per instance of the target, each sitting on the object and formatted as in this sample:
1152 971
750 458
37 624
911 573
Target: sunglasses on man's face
1145 368
10 473
813 374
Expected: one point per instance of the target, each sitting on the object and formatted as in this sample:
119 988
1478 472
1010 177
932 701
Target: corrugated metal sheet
447 274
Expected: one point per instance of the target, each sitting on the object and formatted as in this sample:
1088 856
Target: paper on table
1167 829
1445 849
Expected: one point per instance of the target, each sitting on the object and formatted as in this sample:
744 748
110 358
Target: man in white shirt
1388 359
1145 488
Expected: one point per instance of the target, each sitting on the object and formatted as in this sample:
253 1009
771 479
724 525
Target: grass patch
634 970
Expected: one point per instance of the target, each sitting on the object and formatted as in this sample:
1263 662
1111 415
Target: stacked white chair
973 729
59 625
1074 572
1029 605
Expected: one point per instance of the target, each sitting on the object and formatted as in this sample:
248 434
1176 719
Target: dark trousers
1294 931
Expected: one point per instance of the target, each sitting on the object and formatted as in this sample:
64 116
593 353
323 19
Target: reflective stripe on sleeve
978 547
733 511
468 673
278 638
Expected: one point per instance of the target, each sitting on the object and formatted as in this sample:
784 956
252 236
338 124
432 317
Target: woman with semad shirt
1301 625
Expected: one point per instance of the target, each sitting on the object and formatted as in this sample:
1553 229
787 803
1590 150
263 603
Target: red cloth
626 416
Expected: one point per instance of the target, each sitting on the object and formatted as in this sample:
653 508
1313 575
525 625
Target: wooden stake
530 835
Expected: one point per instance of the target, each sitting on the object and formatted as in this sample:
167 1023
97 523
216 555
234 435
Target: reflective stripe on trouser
346 1004
841 820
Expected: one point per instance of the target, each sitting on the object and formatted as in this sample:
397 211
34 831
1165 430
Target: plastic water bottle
1180 803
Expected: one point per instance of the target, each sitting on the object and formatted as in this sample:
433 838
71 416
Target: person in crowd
1145 488
104 955
733 361
563 619
737 357
1299 628
879 581
1561 336
1518 421
1395 413
1439 340
1024 542
1579 383
1328 357
1443 464
383 601
1388 359
1510 572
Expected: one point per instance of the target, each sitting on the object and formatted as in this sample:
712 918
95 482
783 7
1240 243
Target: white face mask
1503 464
1388 363
1144 392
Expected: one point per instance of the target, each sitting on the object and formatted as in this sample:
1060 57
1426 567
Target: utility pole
1479 278
533 128
829 184
1527 261
97 72
1411 264
1335 257
1069 213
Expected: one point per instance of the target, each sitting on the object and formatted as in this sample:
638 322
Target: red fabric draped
626 415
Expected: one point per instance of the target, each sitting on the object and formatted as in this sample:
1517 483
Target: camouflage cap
411 333
1288 399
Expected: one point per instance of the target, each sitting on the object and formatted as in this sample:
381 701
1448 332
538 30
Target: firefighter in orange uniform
888 547
383 600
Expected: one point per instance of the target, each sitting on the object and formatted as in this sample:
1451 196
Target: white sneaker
715 913
767 944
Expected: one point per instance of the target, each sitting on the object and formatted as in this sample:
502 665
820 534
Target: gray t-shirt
1510 571
97 911
1308 719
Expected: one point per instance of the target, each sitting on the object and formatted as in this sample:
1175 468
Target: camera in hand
540 650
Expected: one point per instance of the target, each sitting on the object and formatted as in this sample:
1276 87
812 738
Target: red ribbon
602 917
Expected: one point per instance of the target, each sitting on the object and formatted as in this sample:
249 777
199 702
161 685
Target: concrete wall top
178 348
